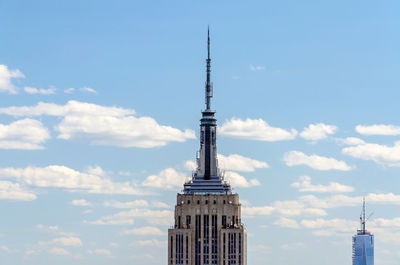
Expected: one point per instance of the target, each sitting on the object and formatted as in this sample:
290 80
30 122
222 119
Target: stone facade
207 231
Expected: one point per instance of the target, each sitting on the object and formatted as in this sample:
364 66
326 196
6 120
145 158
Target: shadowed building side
208 228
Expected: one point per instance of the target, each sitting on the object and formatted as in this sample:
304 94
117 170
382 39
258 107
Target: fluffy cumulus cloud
285 208
240 163
88 90
295 158
337 201
14 191
63 177
238 181
350 141
154 217
256 67
318 131
26 134
381 154
101 252
59 251
136 204
168 178
145 231
81 202
6 76
103 125
286 222
151 243
305 185
340 225
255 129
68 241
41 91
378 129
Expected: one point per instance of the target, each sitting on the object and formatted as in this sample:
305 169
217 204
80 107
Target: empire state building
208 228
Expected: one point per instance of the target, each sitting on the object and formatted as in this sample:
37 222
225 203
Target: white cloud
294 158
336 201
154 217
14 191
238 181
240 163
380 154
306 186
135 204
102 125
145 231
336 224
256 129
5 249
286 222
88 89
56 176
190 165
104 252
126 205
68 241
381 222
151 243
48 228
378 129
286 208
167 179
6 77
351 141
318 131
59 251
26 134
256 67
293 245
81 202
257 211
42 91
69 90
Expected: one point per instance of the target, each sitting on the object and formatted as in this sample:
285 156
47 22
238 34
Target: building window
198 201
214 240
187 250
179 249
188 202
171 255
224 249
215 202
240 248
198 240
224 221
206 240
188 221
206 201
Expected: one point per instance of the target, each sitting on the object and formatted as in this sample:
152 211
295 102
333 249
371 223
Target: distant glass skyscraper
208 228
363 244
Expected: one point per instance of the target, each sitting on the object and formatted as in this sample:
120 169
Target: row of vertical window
206 202
179 257
234 221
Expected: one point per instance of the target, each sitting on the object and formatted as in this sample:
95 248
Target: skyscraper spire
207 178
209 86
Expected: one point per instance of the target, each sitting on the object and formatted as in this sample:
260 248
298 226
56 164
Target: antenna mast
209 88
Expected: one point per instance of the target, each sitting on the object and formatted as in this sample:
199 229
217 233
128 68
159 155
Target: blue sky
100 104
